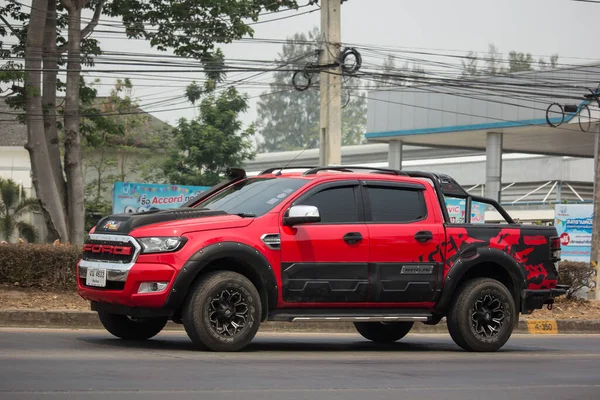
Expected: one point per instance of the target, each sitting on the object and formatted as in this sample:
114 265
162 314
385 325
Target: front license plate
96 277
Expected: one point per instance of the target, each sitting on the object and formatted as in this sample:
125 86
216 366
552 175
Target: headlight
161 244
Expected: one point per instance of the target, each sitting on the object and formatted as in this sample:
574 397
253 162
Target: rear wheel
222 312
383 332
128 328
482 315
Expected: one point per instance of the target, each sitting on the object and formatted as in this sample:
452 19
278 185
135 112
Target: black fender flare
211 253
470 259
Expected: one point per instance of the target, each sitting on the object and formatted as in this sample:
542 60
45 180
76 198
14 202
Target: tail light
555 248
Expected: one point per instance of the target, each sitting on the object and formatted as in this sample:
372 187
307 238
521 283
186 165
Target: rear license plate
96 277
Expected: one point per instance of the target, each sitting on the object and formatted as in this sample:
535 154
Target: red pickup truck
367 245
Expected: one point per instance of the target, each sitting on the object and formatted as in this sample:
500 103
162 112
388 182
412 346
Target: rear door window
396 204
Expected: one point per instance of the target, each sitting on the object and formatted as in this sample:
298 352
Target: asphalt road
85 364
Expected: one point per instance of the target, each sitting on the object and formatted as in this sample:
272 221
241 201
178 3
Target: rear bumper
536 299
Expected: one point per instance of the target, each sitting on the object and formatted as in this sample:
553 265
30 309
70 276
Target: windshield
253 197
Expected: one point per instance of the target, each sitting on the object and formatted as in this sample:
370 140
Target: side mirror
301 215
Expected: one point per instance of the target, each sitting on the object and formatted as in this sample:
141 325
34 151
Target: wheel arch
226 256
486 263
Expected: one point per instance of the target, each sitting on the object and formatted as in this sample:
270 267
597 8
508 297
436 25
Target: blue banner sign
573 223
456 211
131 197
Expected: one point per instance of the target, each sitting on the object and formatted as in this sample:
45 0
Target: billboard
456 211
573 223
131 197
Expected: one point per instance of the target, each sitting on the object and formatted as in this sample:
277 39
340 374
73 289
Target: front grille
110 285
108 251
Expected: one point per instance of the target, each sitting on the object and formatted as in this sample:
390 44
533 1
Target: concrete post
493 165
331 86
395 154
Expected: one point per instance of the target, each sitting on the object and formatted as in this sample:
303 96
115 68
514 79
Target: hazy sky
542 27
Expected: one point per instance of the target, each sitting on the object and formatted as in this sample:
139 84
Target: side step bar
334 315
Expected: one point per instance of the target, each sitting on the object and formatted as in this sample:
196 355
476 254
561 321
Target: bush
39 265
578 275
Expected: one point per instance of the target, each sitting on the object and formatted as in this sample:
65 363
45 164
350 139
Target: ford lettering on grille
107 252
102 248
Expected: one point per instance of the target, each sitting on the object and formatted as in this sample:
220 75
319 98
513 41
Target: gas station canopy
551 112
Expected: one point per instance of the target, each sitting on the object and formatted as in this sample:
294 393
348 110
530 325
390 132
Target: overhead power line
440 77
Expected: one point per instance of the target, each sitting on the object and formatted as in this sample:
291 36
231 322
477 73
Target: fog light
152 287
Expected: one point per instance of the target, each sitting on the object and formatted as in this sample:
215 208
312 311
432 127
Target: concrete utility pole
330 152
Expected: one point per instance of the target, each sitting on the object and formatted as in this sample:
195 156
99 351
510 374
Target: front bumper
122 286
536 299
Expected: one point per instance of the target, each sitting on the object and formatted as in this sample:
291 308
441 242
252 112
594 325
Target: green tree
118 141
289 119
42 44
470 65
493 61
519 62
496 65
116 126
206 146
192 28
393 76
552 63
390 75
14 205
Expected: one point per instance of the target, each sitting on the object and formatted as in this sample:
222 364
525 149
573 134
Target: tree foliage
191 28
392 75
14 205
577 275
289 119
119 142
494 63
206 146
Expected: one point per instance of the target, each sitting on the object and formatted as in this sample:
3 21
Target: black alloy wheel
482 315
228 313
222 312
487 316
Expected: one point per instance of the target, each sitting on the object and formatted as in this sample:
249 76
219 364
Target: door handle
423 236
352 237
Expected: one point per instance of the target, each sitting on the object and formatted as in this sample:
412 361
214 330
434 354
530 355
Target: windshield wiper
246 215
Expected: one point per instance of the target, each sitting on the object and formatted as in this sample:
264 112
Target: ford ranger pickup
371 246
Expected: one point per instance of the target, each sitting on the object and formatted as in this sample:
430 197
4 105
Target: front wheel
482 315
128 328
222 312
380 332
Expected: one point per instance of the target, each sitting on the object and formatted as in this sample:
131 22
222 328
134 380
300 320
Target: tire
379 332
126 328
205 316
471 321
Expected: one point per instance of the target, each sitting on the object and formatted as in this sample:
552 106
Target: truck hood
169 222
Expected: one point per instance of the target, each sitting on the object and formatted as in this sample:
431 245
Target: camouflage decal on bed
529 247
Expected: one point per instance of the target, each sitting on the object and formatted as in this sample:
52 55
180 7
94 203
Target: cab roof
444 185
442 182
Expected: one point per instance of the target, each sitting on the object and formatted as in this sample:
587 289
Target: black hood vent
124 223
